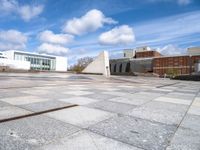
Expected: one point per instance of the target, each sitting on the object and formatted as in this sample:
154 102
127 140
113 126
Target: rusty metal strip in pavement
36 113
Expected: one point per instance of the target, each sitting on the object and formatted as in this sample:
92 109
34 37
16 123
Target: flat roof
32 53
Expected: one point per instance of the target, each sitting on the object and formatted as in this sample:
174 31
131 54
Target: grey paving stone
85 140
194 110
23 100
132 101
167 113
77 93
79 100
112 106
31 132
80 116
173 100
56 96
46 105
11 93
191 122
3 104
151 95
12 111
100 96
137 132
185 96
121 94
185 139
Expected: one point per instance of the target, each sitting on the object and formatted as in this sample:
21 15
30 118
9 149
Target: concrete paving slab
79 100
185 96
80 116
173 100
149 94
121 94
109 106
185 139
137 132
35 91
31 132
78 93
191 122
23 100
12 111
132 101
85 140
77 88
196 102
100 96
167 113
3 104
43 106
194 110
162 90
11 93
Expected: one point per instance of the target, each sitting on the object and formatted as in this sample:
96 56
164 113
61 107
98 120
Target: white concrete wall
129 53
9 54
99 65
194 51
15 64
61 63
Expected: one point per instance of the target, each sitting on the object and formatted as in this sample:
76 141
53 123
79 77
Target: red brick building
174 64
147 54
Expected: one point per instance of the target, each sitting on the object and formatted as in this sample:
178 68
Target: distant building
194 51
35 61
142 49
147 54
145 60
129 53
182 64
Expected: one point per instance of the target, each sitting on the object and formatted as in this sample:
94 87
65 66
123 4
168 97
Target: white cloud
180 2
26 12
12 39
49 37
184 2
91 21
171 50
8 5
52 49
178 28
118 35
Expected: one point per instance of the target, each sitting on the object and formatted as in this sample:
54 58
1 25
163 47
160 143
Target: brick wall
147 54
177 64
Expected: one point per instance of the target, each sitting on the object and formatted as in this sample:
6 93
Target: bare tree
81 64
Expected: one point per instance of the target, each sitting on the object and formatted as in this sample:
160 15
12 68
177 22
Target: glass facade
38 62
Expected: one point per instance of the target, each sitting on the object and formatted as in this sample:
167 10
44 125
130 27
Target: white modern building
26 60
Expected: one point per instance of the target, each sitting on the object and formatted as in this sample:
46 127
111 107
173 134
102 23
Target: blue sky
85 27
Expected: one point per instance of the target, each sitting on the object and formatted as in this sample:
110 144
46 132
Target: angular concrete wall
99 65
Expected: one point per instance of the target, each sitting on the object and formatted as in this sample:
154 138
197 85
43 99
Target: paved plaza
57 111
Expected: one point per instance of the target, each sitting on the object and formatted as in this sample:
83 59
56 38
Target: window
120 68
128 67
115 67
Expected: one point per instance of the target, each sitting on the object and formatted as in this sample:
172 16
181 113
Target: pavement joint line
181 120
167 85
36 113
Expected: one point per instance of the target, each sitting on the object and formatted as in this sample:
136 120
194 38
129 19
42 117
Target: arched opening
115 68
128 67
120 68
